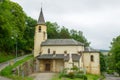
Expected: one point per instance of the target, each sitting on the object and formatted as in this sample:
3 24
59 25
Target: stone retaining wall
26 68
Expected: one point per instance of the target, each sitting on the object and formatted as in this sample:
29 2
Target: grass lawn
93 77
7 71
89 76
5 57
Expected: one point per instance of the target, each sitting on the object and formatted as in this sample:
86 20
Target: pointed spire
41 18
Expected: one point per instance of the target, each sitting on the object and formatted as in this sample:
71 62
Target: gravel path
111 77
42 76
3 78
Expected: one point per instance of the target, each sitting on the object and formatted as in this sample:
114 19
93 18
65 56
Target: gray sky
98 19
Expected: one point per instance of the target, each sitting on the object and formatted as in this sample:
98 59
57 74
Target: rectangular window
92 58
49 50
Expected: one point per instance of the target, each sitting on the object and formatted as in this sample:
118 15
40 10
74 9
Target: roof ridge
75 41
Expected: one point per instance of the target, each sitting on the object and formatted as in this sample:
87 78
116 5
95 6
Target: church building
54 55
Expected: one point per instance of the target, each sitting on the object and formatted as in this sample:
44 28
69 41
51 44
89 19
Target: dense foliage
102 62
15 27
115 55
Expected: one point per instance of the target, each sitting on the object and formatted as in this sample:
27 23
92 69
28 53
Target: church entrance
47 67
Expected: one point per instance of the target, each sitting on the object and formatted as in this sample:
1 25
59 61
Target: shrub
65 70
84 77
75 68
110 71
63 73
71 75
118 68
80 72
79 76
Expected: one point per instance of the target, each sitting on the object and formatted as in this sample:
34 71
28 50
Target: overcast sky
99 20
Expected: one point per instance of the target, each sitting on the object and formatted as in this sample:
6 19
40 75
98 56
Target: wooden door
47 67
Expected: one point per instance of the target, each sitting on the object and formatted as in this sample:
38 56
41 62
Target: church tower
40 34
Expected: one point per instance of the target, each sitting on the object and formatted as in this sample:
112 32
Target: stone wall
91 66
26 68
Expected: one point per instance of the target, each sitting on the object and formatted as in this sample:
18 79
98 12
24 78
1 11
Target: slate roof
61 42
75 57
90 49
54 56
41 18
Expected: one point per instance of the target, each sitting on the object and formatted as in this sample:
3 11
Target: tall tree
12 24
52 30
115 50
28 38
102 63
78 35
64 33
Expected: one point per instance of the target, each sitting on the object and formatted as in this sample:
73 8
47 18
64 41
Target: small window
65 51
49 50
44 35
92 58
39 28
54 52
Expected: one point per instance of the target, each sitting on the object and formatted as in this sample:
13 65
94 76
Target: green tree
28 38
12 23
52 30
78 35
64 33
115 50
102 63
118 67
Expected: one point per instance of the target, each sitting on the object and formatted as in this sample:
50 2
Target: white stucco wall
61 49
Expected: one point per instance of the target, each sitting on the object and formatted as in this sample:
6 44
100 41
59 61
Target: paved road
111 77
3 78
4 64
42 76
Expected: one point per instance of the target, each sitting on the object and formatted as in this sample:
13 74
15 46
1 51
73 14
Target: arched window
92 58
39 29
49 50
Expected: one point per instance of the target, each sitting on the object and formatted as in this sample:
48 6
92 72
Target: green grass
56 78
7 71
89 76
92 77
5 57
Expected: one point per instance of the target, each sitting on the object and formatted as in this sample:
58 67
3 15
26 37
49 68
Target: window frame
39 30
91 58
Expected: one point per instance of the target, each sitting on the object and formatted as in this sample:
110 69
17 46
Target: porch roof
75 57
54 56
